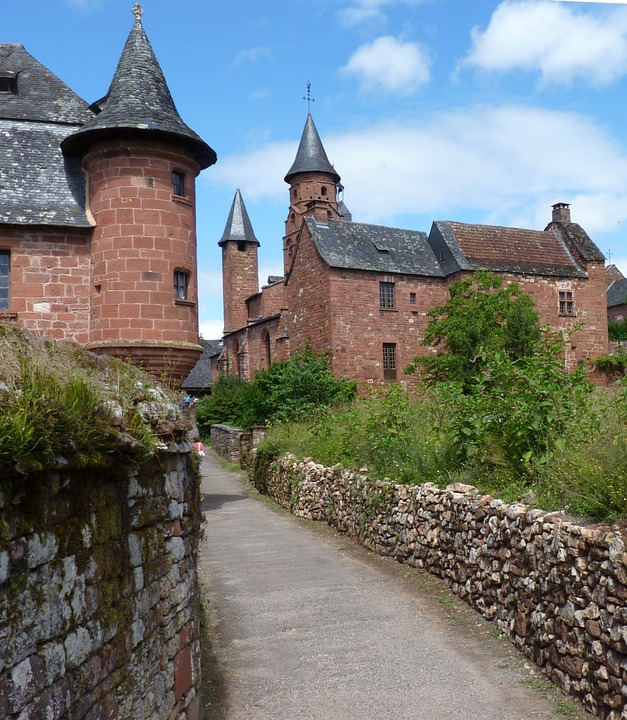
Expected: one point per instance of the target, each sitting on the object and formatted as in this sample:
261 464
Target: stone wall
99 608
228 442
558 590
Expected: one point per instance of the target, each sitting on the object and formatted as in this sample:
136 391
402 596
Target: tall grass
414 439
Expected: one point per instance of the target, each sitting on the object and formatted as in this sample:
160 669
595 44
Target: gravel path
305 625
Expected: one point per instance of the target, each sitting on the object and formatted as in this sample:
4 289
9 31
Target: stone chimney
561 212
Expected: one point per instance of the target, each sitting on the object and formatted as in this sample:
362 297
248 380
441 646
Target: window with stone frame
181 284
178 183
566 302
389 361
386 295
5 278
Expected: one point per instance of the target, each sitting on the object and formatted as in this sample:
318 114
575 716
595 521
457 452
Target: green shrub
287 390
617 329
482 316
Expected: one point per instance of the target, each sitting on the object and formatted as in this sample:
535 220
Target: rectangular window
5 277
389 361
412 298
386 294
8 83
181 284
178 184
566 303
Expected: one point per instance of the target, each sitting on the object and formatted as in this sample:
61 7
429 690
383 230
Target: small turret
313 188
240 270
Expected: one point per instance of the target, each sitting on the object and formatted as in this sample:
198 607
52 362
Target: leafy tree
286 390
517 410
481 316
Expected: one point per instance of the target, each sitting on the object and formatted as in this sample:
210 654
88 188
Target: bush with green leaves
516 411
483 315
617 329
288 389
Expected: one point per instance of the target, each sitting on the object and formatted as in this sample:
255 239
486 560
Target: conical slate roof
238 226
311 156
139 103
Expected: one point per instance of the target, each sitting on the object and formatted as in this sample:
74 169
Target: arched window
323 191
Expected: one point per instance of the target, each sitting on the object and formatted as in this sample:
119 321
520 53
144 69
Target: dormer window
178 184
8 83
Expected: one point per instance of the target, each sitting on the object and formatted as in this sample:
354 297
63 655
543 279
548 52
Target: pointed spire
311 156
139 102
238 226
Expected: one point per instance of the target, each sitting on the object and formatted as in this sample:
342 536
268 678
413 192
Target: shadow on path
214 501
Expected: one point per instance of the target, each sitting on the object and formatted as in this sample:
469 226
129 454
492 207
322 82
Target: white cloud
508 164
251 55
558 41
211 329
390 65
599 2
362 11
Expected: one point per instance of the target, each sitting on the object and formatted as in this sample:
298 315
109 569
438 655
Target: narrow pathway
308 626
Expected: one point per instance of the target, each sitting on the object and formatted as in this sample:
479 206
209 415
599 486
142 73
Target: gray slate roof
358 246
199 378
238 226
311 156
38 186
139 103
617 293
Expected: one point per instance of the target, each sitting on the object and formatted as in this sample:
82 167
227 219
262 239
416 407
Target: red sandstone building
364 291
97 210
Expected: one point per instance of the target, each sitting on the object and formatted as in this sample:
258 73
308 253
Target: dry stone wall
99 610
558 590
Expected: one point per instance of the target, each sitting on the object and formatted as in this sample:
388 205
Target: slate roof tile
358 246
38 186
617 293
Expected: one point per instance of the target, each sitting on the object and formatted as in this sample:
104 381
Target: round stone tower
141 161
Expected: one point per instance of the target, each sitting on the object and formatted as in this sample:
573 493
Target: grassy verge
414 439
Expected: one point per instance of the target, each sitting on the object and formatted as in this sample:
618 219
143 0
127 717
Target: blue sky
468 110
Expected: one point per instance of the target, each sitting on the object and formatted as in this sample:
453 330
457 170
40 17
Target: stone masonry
99 608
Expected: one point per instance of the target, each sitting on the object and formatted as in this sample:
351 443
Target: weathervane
138 11
308 97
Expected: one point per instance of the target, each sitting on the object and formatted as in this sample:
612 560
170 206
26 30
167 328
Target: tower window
181 284
5 276
323 191
566 302
389 361
241 246
386 294
178 183
412 298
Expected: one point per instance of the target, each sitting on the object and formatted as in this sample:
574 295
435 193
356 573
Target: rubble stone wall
229 442
557 589
99 608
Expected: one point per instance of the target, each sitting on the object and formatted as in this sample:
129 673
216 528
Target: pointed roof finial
308 96
138 11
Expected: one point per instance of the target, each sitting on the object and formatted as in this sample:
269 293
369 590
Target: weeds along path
301 623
